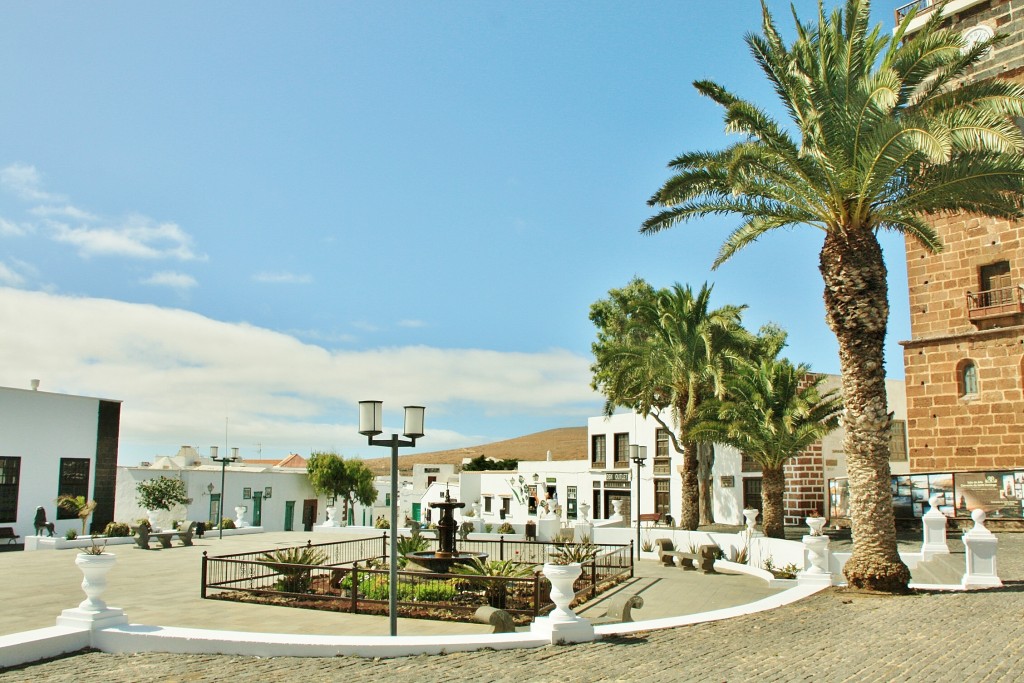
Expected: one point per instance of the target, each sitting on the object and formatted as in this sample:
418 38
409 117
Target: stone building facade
964 363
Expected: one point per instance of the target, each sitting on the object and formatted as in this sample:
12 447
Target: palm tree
662 355
80 506
772 411
882 132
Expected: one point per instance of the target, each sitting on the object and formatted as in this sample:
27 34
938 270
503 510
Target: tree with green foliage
161 493
662 353
348 480
884 130
771 411
77 505
482 463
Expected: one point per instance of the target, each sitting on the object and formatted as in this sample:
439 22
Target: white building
736 480
276 495
51 445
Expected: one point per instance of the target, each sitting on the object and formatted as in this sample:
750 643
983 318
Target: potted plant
95 563
78 505
161 493
564 565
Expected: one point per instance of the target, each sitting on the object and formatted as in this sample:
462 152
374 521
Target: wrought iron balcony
994 303
921 5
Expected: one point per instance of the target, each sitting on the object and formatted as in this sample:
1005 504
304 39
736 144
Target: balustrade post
933 524
981 547
501 547
355 589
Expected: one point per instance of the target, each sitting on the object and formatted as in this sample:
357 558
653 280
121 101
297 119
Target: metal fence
341 584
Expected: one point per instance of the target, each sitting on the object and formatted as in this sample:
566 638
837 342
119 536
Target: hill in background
567 443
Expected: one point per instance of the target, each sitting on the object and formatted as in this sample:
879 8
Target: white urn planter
153 516
331 521
240 522
562 578
94 569
815 524
563 625
93 612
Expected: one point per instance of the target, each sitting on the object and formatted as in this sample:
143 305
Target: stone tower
964 362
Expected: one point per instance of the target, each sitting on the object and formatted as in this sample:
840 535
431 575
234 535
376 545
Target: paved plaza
833 636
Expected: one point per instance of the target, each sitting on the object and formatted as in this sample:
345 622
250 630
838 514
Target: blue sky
255 214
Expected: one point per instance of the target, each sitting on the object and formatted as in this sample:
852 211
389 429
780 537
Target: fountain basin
442 562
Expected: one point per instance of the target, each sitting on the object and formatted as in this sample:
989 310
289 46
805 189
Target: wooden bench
668 554
619 609
7 532
143 535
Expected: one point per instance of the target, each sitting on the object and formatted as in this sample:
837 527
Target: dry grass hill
567 443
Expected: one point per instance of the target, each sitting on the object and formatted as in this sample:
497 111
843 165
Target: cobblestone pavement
833 636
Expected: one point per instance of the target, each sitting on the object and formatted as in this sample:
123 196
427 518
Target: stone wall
947 430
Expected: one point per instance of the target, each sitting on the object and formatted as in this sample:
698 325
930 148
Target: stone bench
498 618
143 536
668 554
620 608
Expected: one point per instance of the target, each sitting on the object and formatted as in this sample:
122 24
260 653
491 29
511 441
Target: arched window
967 379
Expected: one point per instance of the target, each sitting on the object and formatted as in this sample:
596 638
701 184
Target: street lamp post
370 426
638 454
223 466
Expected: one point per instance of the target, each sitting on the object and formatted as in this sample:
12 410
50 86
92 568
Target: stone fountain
441 560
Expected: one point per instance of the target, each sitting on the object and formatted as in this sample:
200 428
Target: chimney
35 385
549 456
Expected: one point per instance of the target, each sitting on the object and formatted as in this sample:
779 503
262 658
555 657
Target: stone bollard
981 555
934 525
815 555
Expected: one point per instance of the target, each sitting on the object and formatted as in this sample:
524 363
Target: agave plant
573 553
491 575
294 565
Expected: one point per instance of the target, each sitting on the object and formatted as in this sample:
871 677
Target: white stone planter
95 569
331 521
154 519
93 613
562 577
240 522
815 524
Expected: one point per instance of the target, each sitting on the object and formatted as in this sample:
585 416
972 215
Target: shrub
488 528
572 553
506 528
70 535
483 573
227 523
117 530
381 523
293 564
434 591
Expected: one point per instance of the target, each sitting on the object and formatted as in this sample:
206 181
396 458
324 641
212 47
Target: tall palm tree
882 131
662 356
772 411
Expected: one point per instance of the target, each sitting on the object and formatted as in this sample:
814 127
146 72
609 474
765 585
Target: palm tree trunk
690 511
773 488
857 311
705 465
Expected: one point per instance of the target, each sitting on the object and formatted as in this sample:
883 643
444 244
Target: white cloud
181 374
411 323
10 229
8 276
283 278
138 237
25 181
67 211
171 279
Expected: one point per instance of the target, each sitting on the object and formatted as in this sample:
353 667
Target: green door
289 514
257 508
416 511
215 515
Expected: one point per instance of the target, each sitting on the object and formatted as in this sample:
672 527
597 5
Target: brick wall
947 431
805 485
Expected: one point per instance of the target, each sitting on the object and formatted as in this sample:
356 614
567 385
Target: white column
934 525
981 547
816 562
750 514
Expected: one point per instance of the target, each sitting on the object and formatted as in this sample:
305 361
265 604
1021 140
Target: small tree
81 507
482 463
162 493
349 480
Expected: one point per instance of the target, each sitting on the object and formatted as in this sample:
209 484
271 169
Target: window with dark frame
487 503
74 481
10 475
662 460
598 450
662 496
968 379
622 450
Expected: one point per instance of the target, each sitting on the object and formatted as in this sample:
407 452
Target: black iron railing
348 587
921 5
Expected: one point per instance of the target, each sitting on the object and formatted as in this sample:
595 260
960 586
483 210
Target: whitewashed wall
41 428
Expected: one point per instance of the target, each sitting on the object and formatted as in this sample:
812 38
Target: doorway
625 509
289 514
215 516
308 514
257 508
